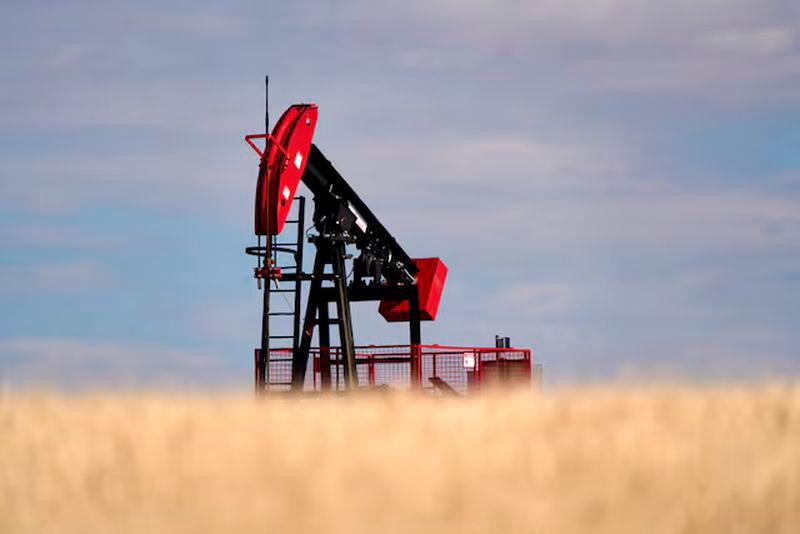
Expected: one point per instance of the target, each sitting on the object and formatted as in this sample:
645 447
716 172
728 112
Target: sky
615 184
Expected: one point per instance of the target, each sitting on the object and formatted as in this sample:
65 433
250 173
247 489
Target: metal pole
301 214
266 104
300 357
324 346
262 371
263 360
343 312
415 335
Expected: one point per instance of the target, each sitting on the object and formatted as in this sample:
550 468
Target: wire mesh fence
437 369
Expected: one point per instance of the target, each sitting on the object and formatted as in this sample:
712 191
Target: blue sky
616 184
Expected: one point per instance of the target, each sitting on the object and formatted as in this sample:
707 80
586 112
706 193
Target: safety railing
437 369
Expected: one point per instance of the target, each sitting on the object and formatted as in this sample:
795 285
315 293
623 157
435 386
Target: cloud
60 277
205 25
173 104
51 236
514 161
532 300
72 363
179 180
532 68
531 145
713 362
232 318
760 41
579 48
509 219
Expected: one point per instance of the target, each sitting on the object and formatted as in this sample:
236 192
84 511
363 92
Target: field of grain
609 460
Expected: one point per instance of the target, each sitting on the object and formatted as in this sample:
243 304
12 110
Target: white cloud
182 180
206 25
69 363
531 58
39 235
172 104
760 41
521 164
231 319
722 362
679 219
60 277
474 129
726 52
531 300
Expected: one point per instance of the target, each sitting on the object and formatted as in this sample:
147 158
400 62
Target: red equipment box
430 283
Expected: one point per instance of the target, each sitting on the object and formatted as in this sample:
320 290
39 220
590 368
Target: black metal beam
370 293
337 201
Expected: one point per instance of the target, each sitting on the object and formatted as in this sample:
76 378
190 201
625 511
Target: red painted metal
283 161
273 273
249 139
440 368
430 283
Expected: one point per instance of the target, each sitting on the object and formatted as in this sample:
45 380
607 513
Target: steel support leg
415 334
261 361
343 312
300 356
324 346
298 261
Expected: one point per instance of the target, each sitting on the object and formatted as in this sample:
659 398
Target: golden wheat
608 460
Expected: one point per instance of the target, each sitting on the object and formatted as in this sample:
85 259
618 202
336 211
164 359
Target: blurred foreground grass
668 459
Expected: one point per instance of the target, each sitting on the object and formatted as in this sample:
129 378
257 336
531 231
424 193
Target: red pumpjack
408 289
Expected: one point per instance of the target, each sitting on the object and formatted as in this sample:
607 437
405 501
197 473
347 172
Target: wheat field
604 459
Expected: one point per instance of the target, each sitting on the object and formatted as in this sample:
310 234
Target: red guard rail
440 369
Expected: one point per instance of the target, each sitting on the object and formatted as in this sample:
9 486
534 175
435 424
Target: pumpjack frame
383 272
331 252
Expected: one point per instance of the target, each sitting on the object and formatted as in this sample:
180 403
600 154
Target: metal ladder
292 254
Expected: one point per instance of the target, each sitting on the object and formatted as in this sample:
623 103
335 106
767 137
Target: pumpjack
409 289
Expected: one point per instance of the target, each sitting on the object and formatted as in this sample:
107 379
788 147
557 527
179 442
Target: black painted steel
345 322
300 356
324 346
342 213
298 268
